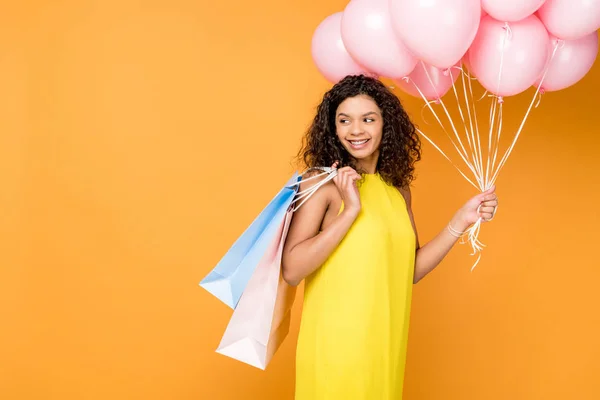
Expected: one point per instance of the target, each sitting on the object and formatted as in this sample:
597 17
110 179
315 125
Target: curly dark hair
400 146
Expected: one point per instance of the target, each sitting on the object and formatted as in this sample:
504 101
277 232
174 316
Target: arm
306 249
431 254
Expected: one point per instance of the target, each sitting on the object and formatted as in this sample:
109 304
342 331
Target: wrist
350 213
459 223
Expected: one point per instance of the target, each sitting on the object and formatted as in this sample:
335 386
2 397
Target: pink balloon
433 82
511 10
329 53
571 62
438 32
466 63
465 59
370 39
508 58
570 19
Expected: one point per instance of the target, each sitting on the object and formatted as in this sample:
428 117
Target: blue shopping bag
230 277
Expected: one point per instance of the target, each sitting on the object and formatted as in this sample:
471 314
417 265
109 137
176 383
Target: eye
343 121
368 120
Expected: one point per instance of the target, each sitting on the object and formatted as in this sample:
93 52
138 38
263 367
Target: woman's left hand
482 206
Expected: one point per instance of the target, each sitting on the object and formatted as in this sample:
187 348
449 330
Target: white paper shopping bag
261 320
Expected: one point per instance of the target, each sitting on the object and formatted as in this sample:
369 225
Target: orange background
139 139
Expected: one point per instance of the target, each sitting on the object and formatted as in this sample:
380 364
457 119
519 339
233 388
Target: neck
369 165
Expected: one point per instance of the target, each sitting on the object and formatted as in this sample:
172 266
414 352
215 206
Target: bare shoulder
311 178
406 193
308 218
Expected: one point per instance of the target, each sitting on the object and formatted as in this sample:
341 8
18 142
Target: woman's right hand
345 181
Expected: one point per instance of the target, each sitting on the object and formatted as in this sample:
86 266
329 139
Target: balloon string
444 129
468 132
510 149
462 117
427 103
506 37
446 157
480 153
492 121
473 239
493 140
472 234
496 109
470 102
539 98
464 154
473 124
497 144
508 30
437 95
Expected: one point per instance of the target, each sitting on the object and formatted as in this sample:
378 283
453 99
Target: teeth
358 142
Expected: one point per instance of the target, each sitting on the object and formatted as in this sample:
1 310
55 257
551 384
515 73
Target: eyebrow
364 115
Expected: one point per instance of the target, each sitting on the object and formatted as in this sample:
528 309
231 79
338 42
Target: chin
360 154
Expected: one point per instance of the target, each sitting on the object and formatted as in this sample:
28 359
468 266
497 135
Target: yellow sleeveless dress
354 328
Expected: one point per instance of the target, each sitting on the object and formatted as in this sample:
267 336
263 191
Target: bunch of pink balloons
508 45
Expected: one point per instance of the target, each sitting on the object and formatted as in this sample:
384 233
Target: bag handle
307 193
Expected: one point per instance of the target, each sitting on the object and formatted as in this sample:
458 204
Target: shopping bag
261 320
229 277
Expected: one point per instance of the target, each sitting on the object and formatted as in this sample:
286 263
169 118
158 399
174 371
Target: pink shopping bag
261 320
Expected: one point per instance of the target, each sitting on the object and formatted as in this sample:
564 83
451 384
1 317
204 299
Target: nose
356 129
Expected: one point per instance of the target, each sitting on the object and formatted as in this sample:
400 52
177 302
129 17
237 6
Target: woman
355 243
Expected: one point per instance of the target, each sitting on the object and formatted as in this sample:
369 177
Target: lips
358 144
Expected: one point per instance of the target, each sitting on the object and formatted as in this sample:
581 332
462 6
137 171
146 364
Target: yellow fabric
355 318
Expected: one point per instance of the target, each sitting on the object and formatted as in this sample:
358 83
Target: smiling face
359 127
360 108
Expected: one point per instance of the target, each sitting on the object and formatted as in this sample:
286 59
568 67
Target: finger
491 203
350 180
338 178
355 175
350 173
488 205
347 169
343 179
482 198
352 184
490 190
486 216
488 210
335 164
